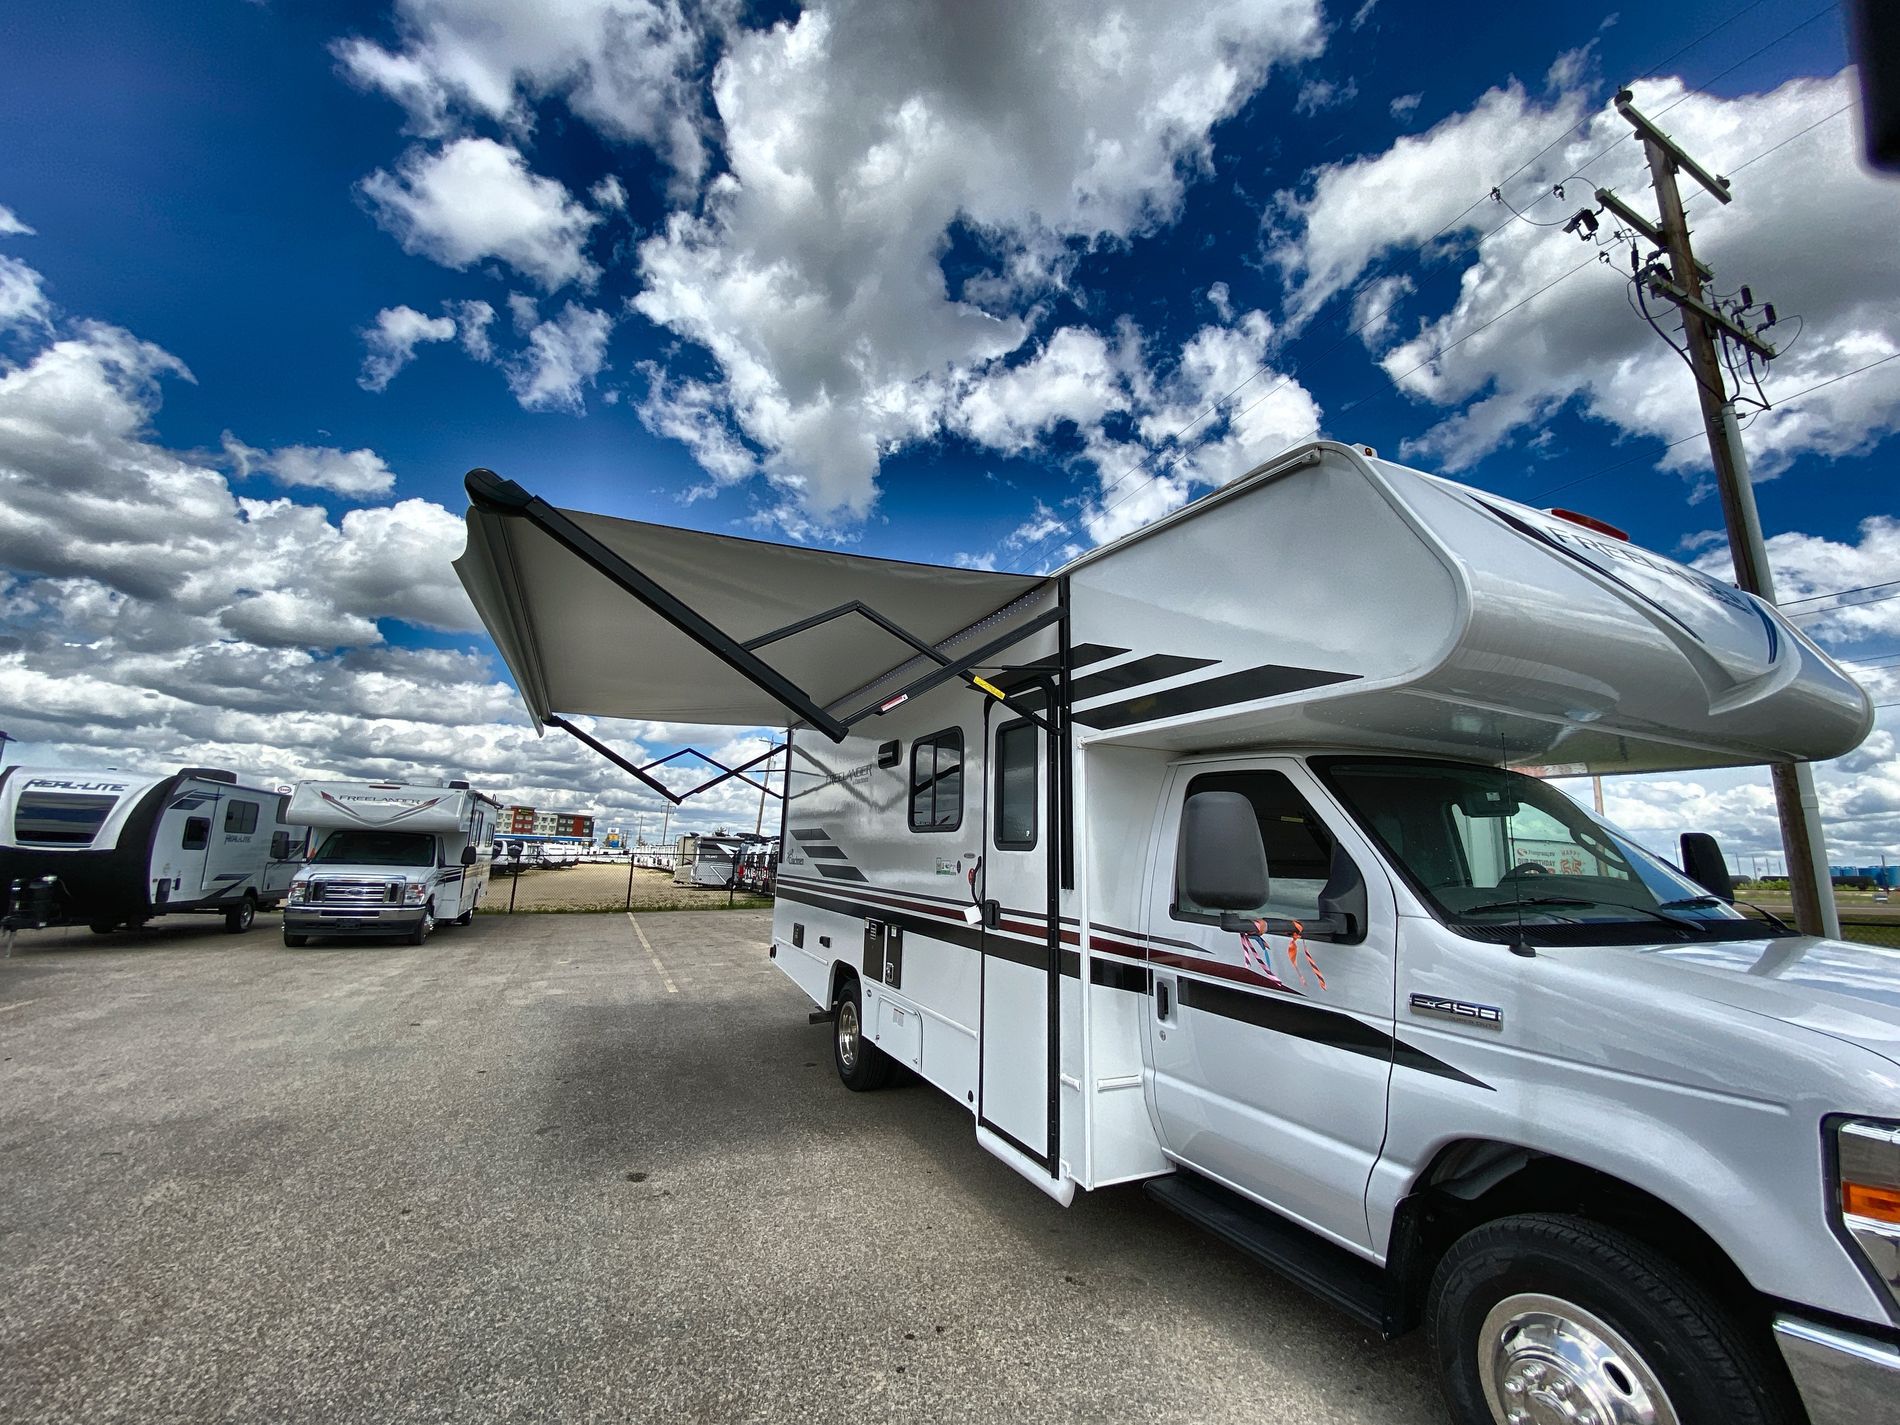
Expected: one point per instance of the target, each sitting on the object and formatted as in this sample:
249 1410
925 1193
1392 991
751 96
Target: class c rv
388 859
1223 860
107 849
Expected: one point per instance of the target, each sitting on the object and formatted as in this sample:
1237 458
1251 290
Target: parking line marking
647 946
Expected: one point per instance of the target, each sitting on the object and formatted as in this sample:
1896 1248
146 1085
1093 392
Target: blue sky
926 285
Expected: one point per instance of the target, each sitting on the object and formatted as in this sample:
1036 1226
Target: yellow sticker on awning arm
987 686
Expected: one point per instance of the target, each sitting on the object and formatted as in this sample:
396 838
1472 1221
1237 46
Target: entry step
1332 1273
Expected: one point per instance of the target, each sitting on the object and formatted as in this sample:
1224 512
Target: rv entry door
1015 1096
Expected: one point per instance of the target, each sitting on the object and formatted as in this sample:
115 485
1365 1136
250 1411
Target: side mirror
468 855
1702 860
1224 863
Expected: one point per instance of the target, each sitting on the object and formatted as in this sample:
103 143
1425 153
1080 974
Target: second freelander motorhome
389 859
1219 860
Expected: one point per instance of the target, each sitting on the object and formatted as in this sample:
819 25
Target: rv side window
53 819
1015 828
197 832
1302 857
936 781
240 817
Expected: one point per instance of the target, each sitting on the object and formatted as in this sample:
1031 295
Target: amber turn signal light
1881 1204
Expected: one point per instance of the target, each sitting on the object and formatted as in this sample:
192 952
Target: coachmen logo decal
401 810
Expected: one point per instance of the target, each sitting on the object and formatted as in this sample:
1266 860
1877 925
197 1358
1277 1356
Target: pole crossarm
1663 287
1718 187
1626 214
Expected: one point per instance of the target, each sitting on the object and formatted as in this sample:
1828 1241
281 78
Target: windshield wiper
1528 900
1691 903
1699 901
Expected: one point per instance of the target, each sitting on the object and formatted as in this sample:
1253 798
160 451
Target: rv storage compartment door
900 1033
874 951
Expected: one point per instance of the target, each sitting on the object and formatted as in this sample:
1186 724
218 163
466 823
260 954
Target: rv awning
616 618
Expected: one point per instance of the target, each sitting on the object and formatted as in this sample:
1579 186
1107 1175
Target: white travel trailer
389 859
1211 861
109 848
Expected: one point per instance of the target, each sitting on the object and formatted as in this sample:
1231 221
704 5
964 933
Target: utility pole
1811 888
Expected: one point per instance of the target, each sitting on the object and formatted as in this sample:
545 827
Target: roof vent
458 786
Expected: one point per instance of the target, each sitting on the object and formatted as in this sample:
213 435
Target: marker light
1881 1204
1590 522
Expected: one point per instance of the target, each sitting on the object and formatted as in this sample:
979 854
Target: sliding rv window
240 818
936 781
1015 790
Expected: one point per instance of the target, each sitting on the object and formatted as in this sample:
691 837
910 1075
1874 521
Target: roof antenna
1519 946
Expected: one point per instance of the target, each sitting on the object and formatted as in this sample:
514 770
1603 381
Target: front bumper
351 920
1844 1378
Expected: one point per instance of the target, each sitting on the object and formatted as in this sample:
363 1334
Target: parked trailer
389 859
108 848
1198 863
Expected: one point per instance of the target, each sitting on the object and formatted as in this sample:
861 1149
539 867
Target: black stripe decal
1266 681
1084 654
1139 673
806 833
839 873
822 853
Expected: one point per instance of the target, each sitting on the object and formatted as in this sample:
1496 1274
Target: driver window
1304 863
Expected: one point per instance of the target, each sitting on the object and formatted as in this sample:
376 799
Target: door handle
1164 999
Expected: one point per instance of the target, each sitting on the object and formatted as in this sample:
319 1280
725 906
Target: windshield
1490 849
376 848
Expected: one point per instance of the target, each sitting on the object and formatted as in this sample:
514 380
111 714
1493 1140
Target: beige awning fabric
570 599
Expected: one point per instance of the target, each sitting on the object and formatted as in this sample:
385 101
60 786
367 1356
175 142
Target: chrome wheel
847 1035
1545 1361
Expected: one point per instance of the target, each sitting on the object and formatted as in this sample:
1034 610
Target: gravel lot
535 1171
601 886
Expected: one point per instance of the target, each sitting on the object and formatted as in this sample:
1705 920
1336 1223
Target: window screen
48 819
936 781
240 817
1299 848
1016 787
197 832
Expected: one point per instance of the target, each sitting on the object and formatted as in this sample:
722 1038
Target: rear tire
1544 1317
293 941
467 917
862 1066
424 927
101 927
238 918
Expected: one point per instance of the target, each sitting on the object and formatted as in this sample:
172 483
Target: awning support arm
957 668
856 606
640 772
487 491
612 756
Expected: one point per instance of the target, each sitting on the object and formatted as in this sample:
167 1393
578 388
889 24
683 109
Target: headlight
1868 1156
299 892
417 892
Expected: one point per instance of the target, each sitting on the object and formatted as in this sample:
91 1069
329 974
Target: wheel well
1471 1183
841 975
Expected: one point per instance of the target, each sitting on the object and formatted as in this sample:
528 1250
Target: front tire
293 941
101 927
424 927
861 1065
1546 1317
238 918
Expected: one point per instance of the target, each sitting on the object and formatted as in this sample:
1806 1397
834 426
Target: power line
1783 404
1838 608
1840 593
1791 138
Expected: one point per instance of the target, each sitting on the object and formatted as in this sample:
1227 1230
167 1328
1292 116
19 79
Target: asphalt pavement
539 1170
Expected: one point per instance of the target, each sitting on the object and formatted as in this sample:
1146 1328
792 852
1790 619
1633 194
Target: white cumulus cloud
391 343
475 199
342 472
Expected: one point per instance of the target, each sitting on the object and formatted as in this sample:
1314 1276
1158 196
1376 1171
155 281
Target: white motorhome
109 848
1216 861
389 859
